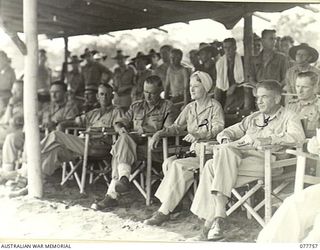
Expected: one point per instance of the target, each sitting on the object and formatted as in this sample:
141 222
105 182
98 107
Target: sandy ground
65 214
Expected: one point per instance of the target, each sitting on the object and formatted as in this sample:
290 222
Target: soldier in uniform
57 111
271 125
59 147
307 105
12 119
144 116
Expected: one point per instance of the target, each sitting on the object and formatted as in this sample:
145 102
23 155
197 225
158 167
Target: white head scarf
204 79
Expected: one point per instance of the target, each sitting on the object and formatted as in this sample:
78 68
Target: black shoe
122 185
157 219
107 202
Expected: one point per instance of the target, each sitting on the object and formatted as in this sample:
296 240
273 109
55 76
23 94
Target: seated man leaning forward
271 125
203 119
148 116
59 147
307 105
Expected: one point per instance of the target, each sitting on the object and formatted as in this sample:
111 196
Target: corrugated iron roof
57 18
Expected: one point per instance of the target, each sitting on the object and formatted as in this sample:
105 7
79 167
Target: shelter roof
58 18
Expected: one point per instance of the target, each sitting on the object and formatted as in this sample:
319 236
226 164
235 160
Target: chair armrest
99 132
280 148
303 154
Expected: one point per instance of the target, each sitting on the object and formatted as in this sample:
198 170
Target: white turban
205 79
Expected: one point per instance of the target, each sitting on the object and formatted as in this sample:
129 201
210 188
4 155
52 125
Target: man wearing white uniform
272 124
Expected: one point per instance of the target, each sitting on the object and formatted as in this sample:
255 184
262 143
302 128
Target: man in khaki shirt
12 119
272 124
144 116
307 105
57 111
303 55
268 65
59 147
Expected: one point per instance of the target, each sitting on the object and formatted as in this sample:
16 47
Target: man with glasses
271 125
144 116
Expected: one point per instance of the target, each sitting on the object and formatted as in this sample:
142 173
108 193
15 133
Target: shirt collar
207 104
308 102
276 115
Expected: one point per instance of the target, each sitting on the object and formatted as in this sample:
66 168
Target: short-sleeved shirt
206 124
58 113
7 78
177 81
292 74
92 73
308 111
273 69
146 118
95 118
283 127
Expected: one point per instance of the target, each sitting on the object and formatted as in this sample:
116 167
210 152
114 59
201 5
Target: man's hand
190 138
120 128
49 125
231 90
13 100
154 140
225 141
261 142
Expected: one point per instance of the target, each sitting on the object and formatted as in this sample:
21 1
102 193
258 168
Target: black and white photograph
159 121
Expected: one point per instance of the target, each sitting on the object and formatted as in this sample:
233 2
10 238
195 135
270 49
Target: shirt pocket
155 121
137 121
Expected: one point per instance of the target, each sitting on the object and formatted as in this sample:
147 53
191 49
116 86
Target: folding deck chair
92 156
256 183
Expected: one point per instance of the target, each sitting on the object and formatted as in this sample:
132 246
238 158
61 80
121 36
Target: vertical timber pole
30 99
64 71
248 49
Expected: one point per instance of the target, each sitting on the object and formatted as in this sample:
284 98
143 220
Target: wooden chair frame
301 177
264 182
97 133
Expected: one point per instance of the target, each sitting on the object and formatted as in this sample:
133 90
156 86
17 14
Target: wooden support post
248 49
64 71
30 99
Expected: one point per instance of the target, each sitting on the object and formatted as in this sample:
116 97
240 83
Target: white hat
204 79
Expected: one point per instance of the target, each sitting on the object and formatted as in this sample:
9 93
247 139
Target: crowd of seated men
279 94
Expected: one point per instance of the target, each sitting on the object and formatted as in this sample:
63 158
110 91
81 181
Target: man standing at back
161 71
93 71
303 55
268 65
229 75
